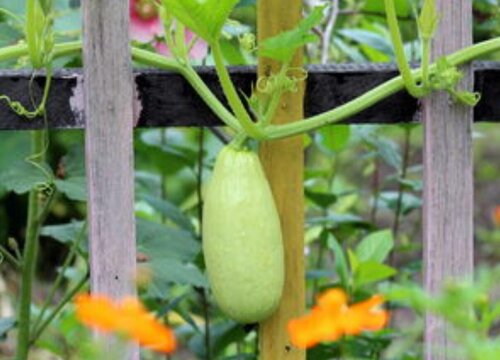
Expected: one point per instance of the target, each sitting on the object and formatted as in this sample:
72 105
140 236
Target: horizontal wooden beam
165 99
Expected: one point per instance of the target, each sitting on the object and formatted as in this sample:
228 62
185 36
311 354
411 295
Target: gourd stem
232 96
284 130
426 57
404 68
375 95
238 141
148 58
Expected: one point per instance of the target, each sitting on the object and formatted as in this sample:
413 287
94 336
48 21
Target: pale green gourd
242 240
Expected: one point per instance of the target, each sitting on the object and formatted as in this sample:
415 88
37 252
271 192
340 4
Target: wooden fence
109 103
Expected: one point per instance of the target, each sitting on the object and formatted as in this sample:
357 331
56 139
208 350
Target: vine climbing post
448 176
283 162
109 92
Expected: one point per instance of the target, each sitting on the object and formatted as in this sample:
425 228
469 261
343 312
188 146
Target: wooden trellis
105 105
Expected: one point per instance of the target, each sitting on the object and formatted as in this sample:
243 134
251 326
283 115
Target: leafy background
363 186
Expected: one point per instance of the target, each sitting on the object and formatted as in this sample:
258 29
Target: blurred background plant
363 189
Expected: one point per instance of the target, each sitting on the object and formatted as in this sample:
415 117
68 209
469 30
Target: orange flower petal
366 315
496 216
97 312
332 300
313 328
332 318
129 317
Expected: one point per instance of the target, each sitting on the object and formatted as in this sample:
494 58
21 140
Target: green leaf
65 233
429 19
205 17
323 199
409 202
371 271
22 176
73 187
282 47
370 39
375 247
353 260
170 211
403 8
334 138
174 271
340 260
158 241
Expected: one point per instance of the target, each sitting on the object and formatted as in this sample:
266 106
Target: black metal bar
166 99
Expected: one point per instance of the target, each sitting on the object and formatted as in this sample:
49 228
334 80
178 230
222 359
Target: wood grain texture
165 99
448 177
108 95
283 162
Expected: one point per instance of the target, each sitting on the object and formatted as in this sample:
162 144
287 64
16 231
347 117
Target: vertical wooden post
283 162
109 147
448 176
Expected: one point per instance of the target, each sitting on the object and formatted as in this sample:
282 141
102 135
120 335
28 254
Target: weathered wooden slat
448 180
165 99
107 96
283 162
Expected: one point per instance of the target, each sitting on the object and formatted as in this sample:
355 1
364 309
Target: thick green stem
285 130
60 50
232 96
29 254
404 68
426 59
375 95
151 59
31 33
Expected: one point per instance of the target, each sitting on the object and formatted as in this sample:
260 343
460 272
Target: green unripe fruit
242 240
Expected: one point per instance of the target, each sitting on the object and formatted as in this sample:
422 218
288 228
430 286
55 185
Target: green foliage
205 17
283 46
375 247
357 183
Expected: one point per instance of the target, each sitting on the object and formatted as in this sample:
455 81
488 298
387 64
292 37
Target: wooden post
109 147
283 163
448 176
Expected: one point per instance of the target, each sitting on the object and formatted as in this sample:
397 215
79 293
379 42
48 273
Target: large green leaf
173 271
205 17
375 247
282 47
170 211
371 271
22 176
66 233
73 187
158 241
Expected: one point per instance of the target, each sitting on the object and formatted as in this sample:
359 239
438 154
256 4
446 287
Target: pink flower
145 23
146 26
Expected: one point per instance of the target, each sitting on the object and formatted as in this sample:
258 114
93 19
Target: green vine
253 121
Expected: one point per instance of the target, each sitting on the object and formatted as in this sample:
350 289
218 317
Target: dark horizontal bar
166 99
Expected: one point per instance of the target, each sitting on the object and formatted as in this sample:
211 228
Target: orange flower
333 318
128 317
496 216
